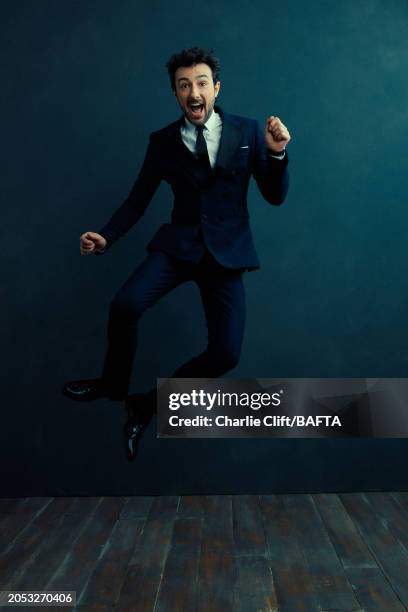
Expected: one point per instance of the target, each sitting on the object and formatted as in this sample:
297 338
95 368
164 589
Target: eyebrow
200 76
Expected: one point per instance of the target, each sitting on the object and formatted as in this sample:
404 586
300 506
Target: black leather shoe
89 390
131 436
139 415
84 390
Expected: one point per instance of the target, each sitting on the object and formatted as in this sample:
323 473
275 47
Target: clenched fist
91 242
276 134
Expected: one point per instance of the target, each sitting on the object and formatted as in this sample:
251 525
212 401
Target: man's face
195 92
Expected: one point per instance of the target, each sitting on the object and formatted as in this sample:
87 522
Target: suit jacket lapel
230 139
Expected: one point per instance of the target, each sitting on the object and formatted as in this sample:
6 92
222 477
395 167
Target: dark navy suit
208 241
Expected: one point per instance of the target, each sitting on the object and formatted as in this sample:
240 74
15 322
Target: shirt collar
212 122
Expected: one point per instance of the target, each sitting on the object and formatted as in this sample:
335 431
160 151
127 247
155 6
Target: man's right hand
91 242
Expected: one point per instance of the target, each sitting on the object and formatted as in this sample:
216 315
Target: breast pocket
242 154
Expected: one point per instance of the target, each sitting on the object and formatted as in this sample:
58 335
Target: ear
217 87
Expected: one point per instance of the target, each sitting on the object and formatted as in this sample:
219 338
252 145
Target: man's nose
195 93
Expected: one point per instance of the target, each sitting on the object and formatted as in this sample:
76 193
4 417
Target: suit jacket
208 212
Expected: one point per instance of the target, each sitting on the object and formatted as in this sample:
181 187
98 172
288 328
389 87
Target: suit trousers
223 297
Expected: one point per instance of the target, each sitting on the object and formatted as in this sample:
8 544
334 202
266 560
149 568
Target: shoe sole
82 398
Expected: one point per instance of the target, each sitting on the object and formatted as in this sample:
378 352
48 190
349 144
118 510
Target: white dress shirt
212 134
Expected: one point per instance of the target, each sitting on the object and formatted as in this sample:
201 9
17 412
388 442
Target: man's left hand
276 135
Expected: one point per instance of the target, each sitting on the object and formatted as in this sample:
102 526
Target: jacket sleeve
270 173
139 198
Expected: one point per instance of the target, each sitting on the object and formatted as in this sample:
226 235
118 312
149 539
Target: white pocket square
244 147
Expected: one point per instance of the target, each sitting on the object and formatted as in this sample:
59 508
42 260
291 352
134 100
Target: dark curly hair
190 57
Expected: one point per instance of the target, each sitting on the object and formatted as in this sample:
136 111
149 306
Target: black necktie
201 148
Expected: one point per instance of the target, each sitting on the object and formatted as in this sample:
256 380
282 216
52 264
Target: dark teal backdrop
83 85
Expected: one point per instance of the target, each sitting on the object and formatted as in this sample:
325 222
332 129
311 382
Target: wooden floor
215 553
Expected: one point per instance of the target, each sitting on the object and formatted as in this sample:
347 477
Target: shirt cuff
280 155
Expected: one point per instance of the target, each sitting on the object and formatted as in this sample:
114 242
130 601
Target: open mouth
197 110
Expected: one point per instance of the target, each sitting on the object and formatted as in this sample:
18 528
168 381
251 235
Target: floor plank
55 545
136 507
178 588
254 588
143 577
393 516
74 572
331 586
345 537
218 524
28 542
191 506
103 588
216 581
16 517
389 553
248 531
292 581
373 590
402 498
217 563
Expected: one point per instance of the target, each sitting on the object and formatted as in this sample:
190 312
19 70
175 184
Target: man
207 157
